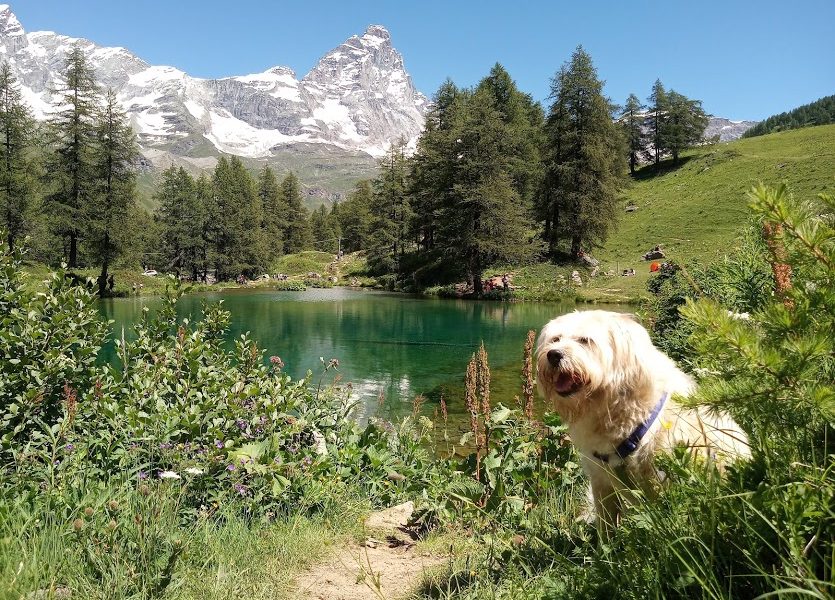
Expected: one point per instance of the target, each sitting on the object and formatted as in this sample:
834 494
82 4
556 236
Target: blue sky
745 60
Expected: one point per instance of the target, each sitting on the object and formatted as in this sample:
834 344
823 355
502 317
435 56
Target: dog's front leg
607 504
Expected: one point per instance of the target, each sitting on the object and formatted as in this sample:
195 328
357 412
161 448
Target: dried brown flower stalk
527 375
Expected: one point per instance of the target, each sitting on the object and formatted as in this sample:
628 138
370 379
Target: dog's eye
556 338
584 340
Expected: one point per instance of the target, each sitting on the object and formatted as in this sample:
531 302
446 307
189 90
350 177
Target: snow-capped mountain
726 129
359 96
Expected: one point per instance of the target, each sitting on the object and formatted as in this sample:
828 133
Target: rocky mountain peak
11 31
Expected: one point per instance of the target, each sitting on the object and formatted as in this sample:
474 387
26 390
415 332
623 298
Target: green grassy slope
696 210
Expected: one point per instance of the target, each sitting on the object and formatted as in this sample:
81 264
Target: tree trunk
72 263
575 245
632 162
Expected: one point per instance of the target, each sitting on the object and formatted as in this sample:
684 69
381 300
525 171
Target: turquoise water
390 345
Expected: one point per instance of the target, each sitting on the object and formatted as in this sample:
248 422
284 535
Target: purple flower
218 444
230 467
241 489
143 475
241 424
69 447
165 446
277 362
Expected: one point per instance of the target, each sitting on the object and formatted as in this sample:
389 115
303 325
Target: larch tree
354 216
69 167
632 120
113 167
182 216
685 123
17 170
391 212
657 120
274 210
586 161
298 235
483 219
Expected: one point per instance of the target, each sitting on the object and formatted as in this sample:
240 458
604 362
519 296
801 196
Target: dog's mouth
566 383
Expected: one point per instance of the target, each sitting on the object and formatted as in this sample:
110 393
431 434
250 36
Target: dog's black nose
554 357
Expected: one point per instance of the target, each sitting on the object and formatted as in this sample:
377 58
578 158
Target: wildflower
112 525
277 362
218 444
194 471
113 506
88 512
241 489
241 424
165 446
69 447
142 475
168 475
77 524
144 490
230 467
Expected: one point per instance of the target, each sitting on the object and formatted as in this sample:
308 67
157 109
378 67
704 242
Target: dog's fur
604 377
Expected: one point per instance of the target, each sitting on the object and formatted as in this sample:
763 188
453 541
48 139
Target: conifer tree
585 158
182 216
70 165
208 204
390 208
484 221
298 235
431 167
325 237
275 211
354 216
632 121
657 119
684 125
108 207
17 176
524 120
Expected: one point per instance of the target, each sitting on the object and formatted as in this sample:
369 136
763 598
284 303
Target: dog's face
585 352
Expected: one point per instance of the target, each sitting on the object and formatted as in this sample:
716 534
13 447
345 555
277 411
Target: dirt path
387 565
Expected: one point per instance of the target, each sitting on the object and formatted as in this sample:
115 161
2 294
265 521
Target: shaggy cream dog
616 392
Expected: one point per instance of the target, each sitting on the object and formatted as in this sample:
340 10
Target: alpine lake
391 347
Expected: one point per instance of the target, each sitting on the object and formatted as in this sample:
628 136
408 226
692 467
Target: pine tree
585 158
275 211
108 207
298 235
17 177
657 119
70 166
354 216
684 125
632 121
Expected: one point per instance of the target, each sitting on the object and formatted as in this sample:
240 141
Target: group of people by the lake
497 282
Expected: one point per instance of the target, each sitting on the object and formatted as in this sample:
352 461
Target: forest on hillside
819 112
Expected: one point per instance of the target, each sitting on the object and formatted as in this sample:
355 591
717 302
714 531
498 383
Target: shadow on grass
662 168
